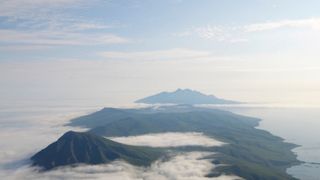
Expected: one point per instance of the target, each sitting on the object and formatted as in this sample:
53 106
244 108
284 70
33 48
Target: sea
25 128
298 125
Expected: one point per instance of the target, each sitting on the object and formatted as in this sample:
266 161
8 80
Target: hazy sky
116 51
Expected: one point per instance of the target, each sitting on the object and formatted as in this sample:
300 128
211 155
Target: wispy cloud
211 32
35 9
234 34
310 23
214 33
219 33
170 54
46 23
54 38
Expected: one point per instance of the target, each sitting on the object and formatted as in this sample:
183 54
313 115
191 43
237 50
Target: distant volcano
75 147
184 96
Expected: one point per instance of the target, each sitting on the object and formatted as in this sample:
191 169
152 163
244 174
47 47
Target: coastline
251 152
296 125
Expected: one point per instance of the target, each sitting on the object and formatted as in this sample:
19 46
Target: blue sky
249 50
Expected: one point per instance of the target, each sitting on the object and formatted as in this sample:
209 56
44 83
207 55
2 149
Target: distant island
184 96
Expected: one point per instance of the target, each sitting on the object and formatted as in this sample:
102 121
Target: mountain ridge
184 96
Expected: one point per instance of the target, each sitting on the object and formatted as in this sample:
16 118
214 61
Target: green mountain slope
75 147
251 153
108 115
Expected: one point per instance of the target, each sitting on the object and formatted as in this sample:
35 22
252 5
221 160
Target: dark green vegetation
184 96
251 153
75 147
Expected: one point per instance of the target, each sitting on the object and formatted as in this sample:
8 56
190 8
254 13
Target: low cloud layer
171 139
26 131
185 166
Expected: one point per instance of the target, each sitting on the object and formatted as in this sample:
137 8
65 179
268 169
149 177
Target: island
184 96
248 152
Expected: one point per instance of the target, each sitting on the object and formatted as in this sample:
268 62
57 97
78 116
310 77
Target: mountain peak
184 96
179 90
83 147
70 134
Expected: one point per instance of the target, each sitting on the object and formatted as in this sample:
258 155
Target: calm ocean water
296 125
25 130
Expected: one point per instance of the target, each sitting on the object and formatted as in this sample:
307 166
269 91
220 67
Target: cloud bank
185 166
171 139
26 131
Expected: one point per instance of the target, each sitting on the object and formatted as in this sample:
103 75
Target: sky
117 51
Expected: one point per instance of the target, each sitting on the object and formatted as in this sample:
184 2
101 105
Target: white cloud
214 33
86 26
24 131
170 139
54 38
184 166
310 23
47 14
235 34
220 34
171 54
30 9
49 23
211 32
27 130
